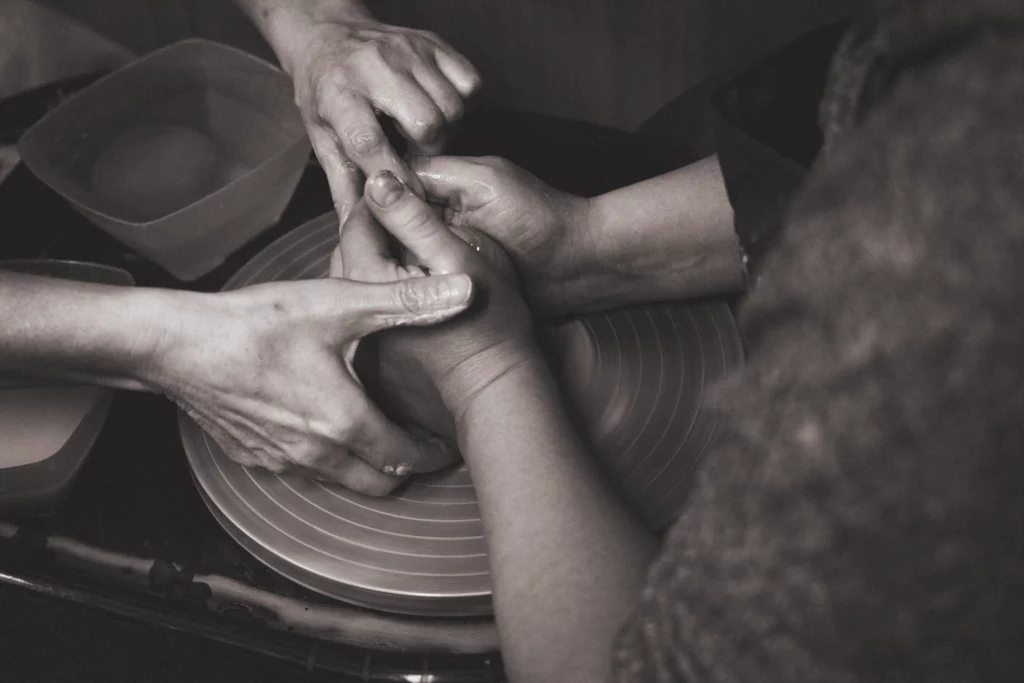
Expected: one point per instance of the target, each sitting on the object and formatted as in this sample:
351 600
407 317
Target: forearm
669 237
567 558
284 23
73 330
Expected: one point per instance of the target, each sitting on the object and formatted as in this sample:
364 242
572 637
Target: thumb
413 223
414 301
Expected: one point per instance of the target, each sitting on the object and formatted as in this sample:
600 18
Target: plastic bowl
242 104
81 271
48 430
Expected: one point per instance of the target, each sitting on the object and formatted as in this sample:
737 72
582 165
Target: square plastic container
47 429
243 104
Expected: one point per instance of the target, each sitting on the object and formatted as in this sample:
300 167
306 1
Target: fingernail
454 290
385 188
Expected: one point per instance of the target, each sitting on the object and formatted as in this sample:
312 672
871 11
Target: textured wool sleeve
862 518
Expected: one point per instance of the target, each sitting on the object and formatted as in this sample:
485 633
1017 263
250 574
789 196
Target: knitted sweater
862 518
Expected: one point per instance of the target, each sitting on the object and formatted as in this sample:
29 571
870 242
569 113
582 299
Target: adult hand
543 229
458 359
348 68
267 372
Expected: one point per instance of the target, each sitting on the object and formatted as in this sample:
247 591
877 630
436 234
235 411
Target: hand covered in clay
267 372
347 68
431 375
543 229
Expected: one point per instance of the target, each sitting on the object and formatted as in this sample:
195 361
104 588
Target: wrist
476 379
113 352
584 278
527 389
166 321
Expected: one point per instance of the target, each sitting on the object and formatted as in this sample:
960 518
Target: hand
267 372
348 67
543 229
457 360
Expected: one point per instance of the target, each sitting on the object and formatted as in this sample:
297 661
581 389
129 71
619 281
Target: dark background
613 62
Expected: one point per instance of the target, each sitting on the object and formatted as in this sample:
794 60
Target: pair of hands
348 68
278 387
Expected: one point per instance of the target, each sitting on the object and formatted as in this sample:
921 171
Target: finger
369 307
417 150
361 137
392 450
353 473
459 71
449 179
440 89
419 119
363 245
415 224
343 177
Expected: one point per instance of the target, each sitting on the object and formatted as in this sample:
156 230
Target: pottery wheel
636 378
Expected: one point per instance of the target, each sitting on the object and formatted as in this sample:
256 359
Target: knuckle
328 86
362 142
345 165
398 41
427 128
275 466
420 223
340 430
431 36
341 173
242 457
343 431
371 56
409 296
306 454
370 53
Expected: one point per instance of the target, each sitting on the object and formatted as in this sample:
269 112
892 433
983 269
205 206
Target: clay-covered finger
393 450
453 180
420 120
363 245
343 177
441 91
360 135
459 71
416 225
353 473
